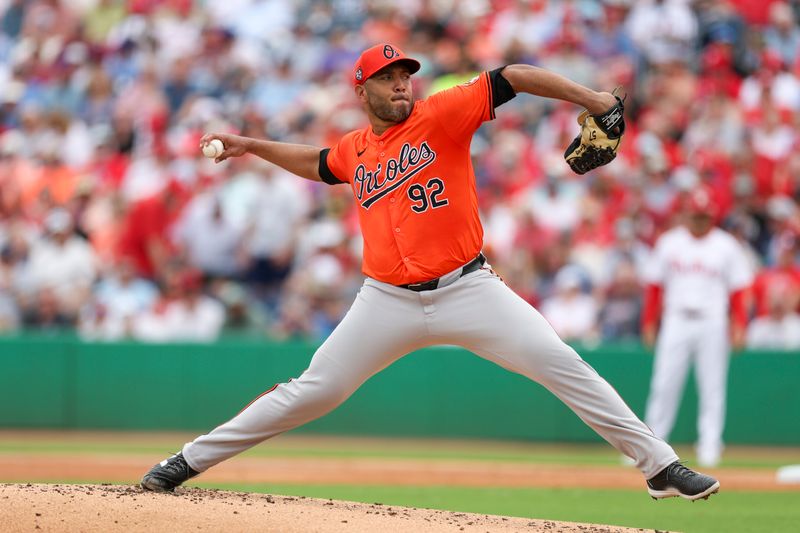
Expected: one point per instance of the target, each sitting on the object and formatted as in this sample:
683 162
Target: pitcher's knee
309 392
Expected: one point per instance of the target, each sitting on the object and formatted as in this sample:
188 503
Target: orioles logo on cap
359 74
389 52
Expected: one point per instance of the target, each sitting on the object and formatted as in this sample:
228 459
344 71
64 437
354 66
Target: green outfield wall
60 382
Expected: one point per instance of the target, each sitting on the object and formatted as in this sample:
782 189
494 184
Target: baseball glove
599 139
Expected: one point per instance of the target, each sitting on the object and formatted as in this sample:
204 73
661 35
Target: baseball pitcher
427 281
701 273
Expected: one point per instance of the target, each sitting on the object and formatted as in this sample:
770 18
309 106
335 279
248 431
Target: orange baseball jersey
414 184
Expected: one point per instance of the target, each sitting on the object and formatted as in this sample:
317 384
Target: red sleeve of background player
738 305
759 292
461 110
652 304
333 162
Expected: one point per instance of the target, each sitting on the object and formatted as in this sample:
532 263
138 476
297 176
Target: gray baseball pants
476 311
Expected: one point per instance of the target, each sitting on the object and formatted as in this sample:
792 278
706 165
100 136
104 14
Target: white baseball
213 148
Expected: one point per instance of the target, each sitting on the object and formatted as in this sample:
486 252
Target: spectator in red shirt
782 278
146 229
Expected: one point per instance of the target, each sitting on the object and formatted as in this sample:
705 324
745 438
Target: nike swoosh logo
358 154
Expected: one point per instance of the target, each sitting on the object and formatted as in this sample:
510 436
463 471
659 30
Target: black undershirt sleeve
502 91
324 171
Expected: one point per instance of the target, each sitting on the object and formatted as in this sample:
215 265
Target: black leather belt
472 266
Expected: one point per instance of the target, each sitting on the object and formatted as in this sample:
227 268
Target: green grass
50 448
731 512
584 456
589 454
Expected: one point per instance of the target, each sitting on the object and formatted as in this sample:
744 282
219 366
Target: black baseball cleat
677 480
168 474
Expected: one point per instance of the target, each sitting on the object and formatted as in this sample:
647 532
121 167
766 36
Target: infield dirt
116 468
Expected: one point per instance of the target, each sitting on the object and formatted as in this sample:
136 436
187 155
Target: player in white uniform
702 272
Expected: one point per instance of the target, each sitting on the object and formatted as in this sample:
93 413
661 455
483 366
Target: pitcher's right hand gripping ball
599 139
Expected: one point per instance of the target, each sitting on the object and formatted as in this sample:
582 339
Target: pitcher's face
387 94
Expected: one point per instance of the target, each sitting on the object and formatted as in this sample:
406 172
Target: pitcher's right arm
299 159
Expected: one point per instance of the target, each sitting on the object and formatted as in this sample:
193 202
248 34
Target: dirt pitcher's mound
120 508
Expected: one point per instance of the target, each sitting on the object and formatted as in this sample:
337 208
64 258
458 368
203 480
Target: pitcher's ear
361 92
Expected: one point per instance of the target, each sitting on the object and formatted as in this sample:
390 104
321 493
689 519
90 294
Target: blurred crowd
114 225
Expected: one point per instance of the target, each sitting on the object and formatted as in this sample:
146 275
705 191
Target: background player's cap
375 58
701 202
